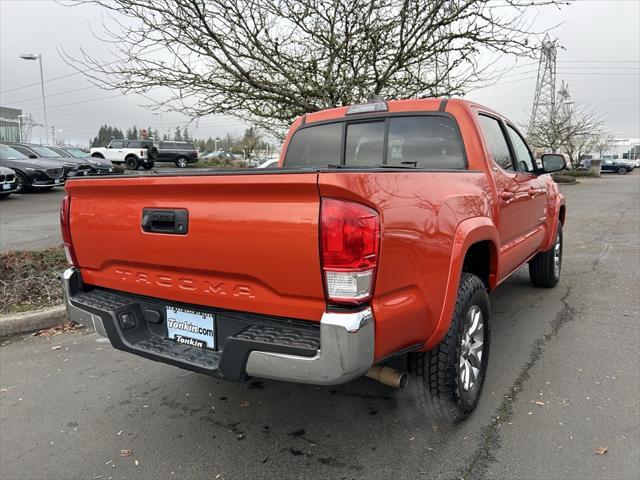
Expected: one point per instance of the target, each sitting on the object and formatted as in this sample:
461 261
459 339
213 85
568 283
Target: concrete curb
15 323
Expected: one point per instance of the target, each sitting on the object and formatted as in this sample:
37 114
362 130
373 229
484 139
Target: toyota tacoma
375 244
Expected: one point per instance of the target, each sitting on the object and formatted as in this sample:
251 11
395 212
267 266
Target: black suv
180 153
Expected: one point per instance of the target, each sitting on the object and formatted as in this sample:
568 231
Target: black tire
22 183
4 195
438 375
147 166
182 162
132 162
622 171
542 267
152 152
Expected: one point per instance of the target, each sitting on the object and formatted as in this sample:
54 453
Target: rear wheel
622 171
147 166
4 195
182 162
544 268
449 378
132 163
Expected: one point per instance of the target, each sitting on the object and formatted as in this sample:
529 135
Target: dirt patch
31 280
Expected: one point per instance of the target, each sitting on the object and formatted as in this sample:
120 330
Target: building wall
9 124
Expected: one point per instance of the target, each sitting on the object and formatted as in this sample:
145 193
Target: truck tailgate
251 245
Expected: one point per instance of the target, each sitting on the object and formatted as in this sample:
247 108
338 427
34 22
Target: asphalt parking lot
563 381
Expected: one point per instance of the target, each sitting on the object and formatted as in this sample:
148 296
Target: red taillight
65 226
350 241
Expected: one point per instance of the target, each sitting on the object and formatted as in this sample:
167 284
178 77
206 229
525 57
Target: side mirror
552 162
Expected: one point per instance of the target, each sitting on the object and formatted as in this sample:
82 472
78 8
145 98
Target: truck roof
396 106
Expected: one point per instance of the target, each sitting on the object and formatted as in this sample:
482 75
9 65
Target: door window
116 144
496 142
524 161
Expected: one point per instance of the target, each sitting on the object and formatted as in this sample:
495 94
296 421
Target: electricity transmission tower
545 96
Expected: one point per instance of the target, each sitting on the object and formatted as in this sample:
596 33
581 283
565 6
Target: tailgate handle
165 220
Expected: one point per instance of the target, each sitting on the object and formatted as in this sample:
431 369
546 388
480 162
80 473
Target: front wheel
622 171
182 162
132 163
147 166
22 184
449 378
4 195
544 268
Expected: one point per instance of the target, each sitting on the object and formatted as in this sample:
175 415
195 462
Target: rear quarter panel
420 213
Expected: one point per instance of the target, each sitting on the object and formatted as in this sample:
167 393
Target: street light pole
31 56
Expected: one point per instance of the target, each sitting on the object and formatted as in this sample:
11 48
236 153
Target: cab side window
496 142
524 161
116 144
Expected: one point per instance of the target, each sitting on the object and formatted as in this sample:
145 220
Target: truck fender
468 232
554 217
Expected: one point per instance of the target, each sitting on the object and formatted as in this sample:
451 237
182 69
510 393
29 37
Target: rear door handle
172 221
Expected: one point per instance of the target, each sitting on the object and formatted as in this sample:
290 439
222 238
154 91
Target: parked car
31 173
387 226
271 163
180 153
620 167
72 166
7 181
99 166
133 153
220 155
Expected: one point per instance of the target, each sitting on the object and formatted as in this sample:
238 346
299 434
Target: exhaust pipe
388 376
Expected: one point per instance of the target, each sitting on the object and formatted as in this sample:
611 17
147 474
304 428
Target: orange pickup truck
375 243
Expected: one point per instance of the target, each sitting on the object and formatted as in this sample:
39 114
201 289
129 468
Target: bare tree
268 61
565 128
603 143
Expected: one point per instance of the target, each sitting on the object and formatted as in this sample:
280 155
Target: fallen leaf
136 462
119 433
538 402
65 327
601 450
126 452
57 347
244 403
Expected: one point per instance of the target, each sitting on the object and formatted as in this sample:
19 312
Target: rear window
315 146
427 141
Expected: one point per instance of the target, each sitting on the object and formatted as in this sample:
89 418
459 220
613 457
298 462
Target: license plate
191 328
6 186
57 180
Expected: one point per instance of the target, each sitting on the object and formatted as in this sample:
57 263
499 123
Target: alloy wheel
471 348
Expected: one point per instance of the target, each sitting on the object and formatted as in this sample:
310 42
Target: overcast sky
600 62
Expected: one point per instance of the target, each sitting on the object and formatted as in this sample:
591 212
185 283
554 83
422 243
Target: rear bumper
340 349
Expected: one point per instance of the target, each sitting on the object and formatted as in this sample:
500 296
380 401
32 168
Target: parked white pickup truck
133 153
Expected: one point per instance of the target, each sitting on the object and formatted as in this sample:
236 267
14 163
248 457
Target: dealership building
10 124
